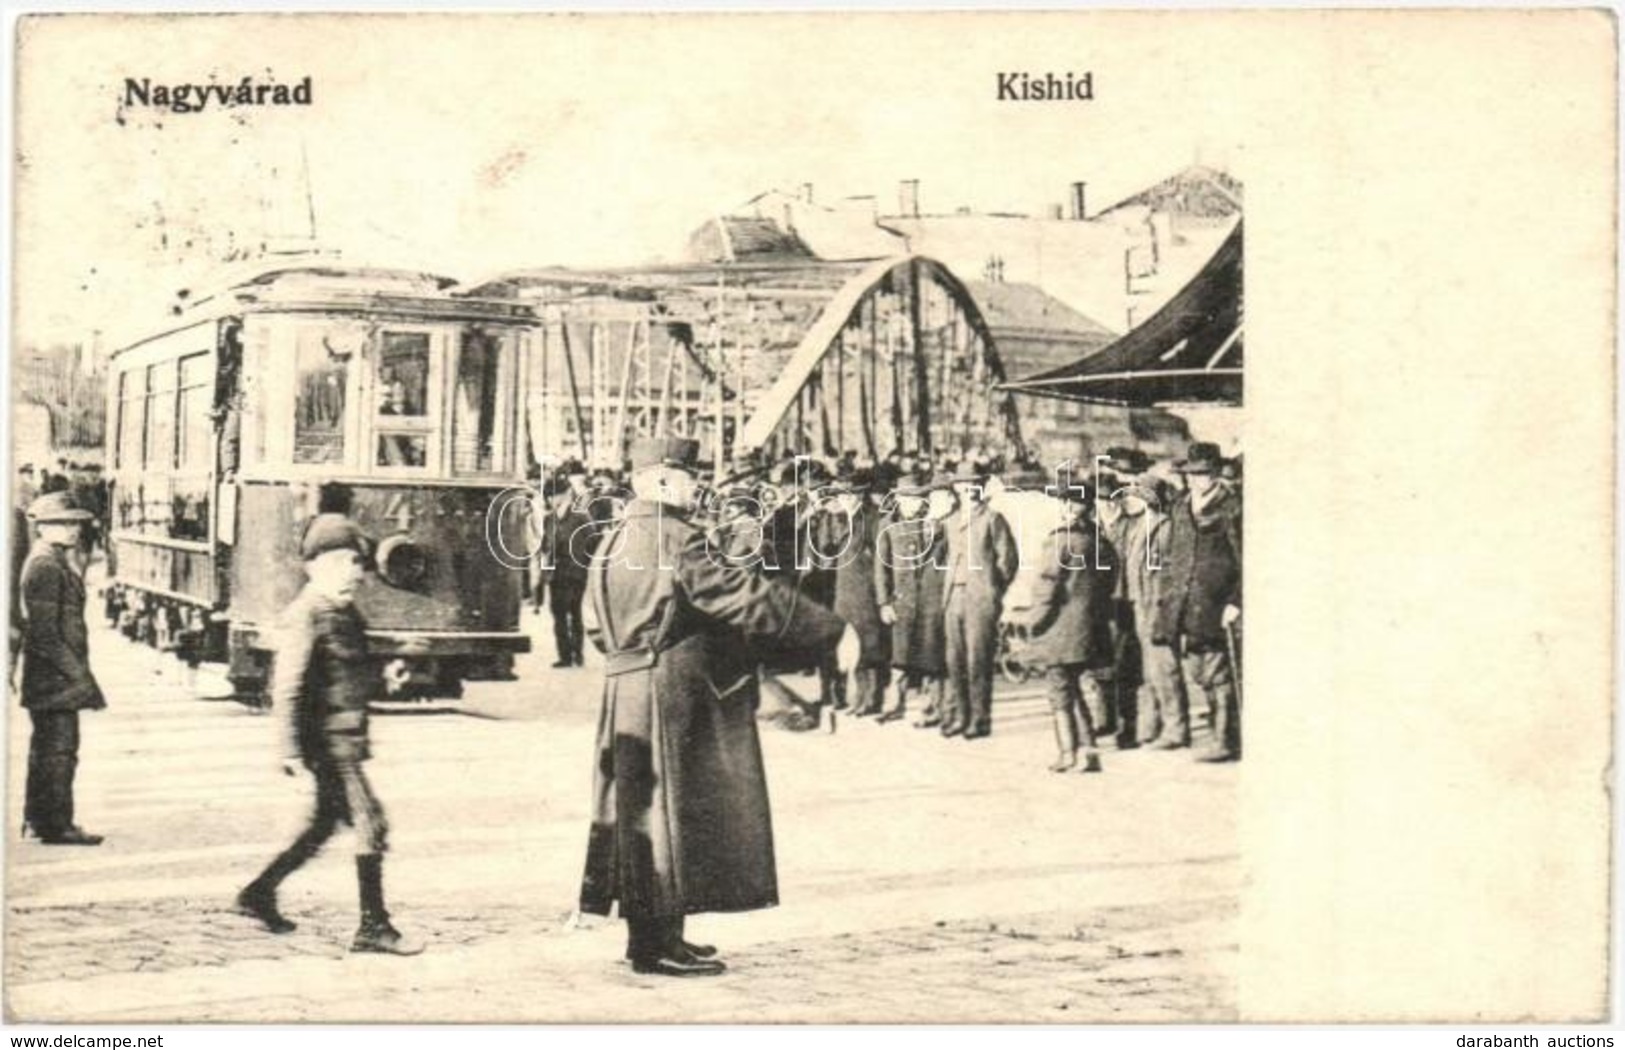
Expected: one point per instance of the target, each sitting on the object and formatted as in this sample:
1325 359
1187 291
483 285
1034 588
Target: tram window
403 375
160 445
194 413
321 381
404 400
474 408
132 418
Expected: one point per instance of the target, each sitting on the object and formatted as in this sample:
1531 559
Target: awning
1188 352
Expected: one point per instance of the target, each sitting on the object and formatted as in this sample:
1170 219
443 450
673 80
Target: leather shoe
385 940
890 716
1165 744
673 966
952 730
1219 755
564 663
928 723
263 907
977 732
70 836
684 952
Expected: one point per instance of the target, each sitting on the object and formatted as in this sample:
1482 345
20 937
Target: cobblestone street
922 879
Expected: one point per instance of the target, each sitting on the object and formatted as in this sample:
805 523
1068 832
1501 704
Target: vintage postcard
537 518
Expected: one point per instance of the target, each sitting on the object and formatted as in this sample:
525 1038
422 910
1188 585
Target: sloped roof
1198 191
1035 331
1028 308
733 238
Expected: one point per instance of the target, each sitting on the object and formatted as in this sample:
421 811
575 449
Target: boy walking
322 684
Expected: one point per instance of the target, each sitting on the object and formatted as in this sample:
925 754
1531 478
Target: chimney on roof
1054 212
1078 211
806 192
908 198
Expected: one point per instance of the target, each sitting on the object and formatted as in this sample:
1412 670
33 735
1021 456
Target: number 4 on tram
376 393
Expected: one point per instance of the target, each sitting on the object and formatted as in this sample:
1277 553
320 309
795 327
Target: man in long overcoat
56 682
849 530
1199 598
1140 538
982 560
911 563
680 816
1069 621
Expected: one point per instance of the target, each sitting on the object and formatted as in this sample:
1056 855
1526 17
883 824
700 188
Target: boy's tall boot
376 933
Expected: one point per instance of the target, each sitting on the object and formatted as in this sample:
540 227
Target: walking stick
1235 662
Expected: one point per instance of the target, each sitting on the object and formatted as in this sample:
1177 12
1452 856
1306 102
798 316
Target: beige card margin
1431 285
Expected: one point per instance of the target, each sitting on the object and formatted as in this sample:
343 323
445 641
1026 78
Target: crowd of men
1117 581
892 581
898 583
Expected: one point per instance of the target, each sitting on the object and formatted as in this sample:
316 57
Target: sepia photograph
659 518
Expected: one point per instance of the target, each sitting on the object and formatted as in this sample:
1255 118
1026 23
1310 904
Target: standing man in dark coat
680 815
56 681
911 563
982 561
324 681
567 542
1140 539
1199 598
792 529
1070 624
846 547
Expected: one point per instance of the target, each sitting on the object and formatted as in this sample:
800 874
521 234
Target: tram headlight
402 562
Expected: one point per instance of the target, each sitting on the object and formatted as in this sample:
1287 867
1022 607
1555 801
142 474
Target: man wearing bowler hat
910 566
56 680
1199 599
848 533
680 819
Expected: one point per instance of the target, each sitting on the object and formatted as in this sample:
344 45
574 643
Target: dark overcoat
680 810
568 540
1202 572
56 648
847 545
1070 618
911 567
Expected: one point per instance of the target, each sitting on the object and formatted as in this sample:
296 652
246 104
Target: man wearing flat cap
680 813
324 678
1199 599
1069 622
56 681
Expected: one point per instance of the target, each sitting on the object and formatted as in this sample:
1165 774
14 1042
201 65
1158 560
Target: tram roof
781 274
319 288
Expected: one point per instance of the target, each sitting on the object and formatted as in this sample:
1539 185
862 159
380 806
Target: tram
381 393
